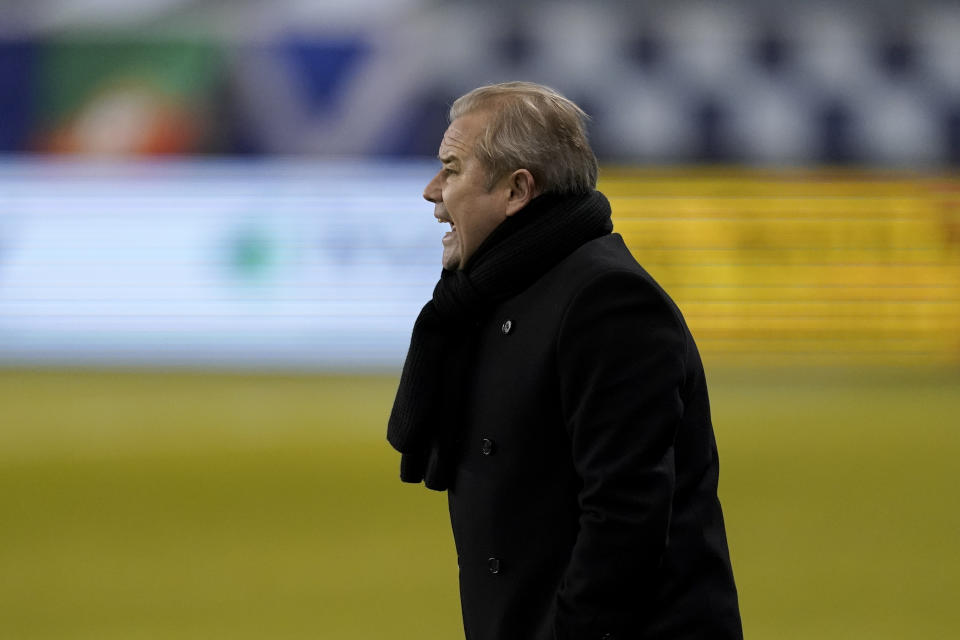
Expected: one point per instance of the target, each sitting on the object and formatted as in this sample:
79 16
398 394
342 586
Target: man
553 389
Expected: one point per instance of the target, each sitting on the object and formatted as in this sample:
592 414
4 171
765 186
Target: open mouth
450 236
453 227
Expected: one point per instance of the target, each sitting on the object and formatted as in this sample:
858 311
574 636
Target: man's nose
432 192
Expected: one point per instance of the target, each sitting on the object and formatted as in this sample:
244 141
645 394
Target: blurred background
213 247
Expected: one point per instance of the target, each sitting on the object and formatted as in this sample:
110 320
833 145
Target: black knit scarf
424 422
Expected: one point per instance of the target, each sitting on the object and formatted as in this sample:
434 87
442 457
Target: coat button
487 446
493 564
506 327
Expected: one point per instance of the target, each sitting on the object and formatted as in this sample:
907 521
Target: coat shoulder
607 253
600 259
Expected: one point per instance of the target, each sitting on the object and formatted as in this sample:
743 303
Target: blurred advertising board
297 264
249 264
802 266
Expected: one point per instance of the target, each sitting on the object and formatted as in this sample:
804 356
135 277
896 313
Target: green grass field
187 505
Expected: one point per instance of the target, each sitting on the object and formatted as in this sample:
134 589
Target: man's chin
451 261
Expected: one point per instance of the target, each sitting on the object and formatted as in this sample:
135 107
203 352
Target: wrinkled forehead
455 143
460 136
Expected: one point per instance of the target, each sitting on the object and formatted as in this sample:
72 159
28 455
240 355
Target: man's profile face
460 194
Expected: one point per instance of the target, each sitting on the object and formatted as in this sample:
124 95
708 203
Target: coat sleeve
620 353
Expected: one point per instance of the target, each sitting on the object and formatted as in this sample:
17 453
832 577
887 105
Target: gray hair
532 127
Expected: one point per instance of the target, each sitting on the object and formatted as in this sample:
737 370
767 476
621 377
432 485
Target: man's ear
521 190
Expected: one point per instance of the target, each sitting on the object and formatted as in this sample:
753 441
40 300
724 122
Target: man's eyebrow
448 159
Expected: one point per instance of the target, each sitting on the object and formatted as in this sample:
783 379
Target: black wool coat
584 502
